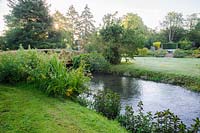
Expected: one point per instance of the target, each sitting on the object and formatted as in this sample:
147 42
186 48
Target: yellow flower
69 92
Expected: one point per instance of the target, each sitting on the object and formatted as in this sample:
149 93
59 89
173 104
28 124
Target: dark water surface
155 96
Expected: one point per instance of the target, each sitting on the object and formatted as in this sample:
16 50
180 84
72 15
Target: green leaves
46 71
161 122
107 103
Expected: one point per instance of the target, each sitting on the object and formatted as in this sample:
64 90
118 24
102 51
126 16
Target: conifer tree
29 23
86 23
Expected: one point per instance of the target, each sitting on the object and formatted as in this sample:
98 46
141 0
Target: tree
62 30
73 21
135 33
109 19
29 23
192 21
194 35
171 23
112 36
122 36
86 23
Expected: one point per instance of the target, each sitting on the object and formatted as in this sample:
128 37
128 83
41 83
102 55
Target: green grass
25 109
179 71
183 66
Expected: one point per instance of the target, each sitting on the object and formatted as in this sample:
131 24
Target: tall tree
73 21
192 20
62 29
172 22
112 35
29 23
110 18
86 23
135 33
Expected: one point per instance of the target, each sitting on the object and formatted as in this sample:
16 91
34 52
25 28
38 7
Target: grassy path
24 109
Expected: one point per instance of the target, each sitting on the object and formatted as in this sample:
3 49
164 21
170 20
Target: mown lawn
25 109
183 66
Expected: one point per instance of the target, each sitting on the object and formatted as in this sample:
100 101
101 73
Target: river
155 96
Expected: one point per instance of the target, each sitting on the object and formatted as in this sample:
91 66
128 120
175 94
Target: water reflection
155 96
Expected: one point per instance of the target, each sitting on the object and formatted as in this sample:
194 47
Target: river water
155 96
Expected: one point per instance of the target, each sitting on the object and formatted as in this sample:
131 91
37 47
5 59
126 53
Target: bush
161 122
196 53
170 45
107 103
157 45
143 52
185 44
15 66
180 53
94 62
160 53
45 71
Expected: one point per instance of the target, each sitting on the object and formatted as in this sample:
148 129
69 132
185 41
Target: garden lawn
179 66
26 109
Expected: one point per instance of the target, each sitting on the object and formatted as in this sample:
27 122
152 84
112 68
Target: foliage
86 23
73 17
185 44
180 53
107 103
29 23
112 36
143 51
94 44
196 53
157 45
172 22
62 30
94 62
132 39
194 35
160 53
46 71
134 34
170 45
161 122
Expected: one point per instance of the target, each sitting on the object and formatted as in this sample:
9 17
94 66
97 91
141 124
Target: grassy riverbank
25 109
178 71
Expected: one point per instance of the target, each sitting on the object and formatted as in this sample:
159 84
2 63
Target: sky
151 11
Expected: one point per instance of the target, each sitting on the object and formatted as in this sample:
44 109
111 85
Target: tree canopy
29 23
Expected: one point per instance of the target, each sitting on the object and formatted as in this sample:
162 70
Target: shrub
161 122
185 44
157 45
143 51
46 71
107 103
180 53
169 45
94 62
15 66
196 53
160 53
